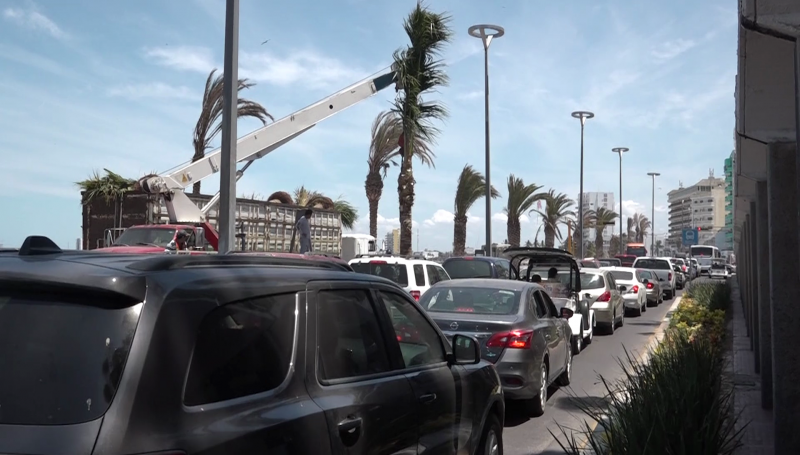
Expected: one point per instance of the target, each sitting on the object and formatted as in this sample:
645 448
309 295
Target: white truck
355 245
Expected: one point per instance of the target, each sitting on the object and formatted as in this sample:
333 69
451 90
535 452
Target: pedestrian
304 230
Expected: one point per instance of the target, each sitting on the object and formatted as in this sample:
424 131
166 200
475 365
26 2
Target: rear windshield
592 281
718 266
468 268
653 264
471 300
678 261
393 272
620 275
146 236
61 361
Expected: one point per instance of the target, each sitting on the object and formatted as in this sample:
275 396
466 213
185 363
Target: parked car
653 287
228 354
518 328
477 267
557 272
401 270
603 294
719 270
680 277
685 269
626 259
634 292
610 262
662 267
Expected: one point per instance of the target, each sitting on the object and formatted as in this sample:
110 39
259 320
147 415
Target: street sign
689 237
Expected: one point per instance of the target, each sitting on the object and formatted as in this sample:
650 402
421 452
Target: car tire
577 344
622 318
492 437
613 326
566 377
638 311
587 340
669 295
644 307
537 404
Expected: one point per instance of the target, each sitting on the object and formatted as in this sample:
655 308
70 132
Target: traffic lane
526 435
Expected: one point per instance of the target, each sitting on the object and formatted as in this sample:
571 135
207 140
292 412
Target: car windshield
653 264
468 268
678 261
718 266
61 358
392 272
146 236
475 300
592 281
620 275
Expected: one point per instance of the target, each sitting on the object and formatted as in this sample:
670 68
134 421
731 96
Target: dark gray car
228 354
518 328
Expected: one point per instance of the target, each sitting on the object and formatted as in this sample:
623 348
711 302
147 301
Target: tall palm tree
384 150
641 227
110 187
521 198
419 71
600 219
557 212
209 124
314 199
471 187
348 212
629 230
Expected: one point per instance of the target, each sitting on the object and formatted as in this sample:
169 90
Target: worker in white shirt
304 229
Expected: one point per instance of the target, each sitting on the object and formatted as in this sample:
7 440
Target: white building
594 201
701 205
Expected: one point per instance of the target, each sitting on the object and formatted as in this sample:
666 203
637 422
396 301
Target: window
349 336
242 349
542 311
433 275
419 342
393 272
503 268
443 276
653 264
468 268
592 281
620 275
471 300
419 275
61 357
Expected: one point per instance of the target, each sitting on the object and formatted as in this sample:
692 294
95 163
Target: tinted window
349 336
146 236
242 349
419 342
620 275
542 310
502 268
393 272
60 359
419 275
592 281
433 275
471 300
644 275
443 276
653 264
468 268
636 251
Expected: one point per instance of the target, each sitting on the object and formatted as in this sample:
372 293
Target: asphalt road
524 435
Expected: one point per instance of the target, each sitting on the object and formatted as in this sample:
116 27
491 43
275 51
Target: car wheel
588 338
638 311
644 307
622 318
613 326
537 404
566 376
577 344
492 438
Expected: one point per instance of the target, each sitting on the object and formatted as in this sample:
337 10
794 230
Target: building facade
395 241
594 201
699 206
730 163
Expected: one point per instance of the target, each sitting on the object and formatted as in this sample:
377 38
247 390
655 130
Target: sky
87 85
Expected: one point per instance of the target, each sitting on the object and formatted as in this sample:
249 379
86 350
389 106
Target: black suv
228 354
477 267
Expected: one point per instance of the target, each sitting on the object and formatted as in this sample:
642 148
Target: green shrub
716 296
696 320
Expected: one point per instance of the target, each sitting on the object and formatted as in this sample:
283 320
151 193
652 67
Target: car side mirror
566 313
466 350
645 281
622 288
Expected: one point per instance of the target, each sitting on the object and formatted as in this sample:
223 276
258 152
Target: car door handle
427 398
350 425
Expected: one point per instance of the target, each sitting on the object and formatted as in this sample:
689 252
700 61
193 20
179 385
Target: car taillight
684 267
635 289
604 297
415 294
377 262
669 277
515 339
649 285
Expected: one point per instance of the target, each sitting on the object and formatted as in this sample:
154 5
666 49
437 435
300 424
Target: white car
415 275
719 270
600 290
634 292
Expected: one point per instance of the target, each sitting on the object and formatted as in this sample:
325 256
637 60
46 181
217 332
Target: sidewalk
757 437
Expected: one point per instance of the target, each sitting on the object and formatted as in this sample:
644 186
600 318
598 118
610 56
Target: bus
705 255
636 249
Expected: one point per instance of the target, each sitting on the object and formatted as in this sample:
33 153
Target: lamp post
653 212
230 97
620 151
486 33
582 116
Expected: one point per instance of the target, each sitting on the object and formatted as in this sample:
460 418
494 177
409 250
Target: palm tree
630 228
521 198
614 246
383 152
419 71
641 225
557 212
314 199
600 219
209 123
347 212
111 187
471 187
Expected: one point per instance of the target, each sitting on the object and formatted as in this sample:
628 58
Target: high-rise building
388 240
702 206
593 201
729 199
396 241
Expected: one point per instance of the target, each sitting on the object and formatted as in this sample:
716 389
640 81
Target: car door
433 274
553 333
562 327
616 296
368 402
436 385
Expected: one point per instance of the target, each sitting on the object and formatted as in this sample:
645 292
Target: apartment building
702 206
727 241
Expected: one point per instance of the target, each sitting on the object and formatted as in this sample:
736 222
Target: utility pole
226 223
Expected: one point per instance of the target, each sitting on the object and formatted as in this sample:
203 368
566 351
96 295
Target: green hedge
675 403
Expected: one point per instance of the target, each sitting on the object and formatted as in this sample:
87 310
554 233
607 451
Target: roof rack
175 262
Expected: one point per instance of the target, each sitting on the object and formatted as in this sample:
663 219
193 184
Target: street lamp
620 151
486 33
230 100
582 116
653 212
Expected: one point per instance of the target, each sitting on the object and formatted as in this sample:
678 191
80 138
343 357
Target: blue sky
87 85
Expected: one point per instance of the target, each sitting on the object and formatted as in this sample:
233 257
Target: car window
61 358
393 272
612 283
653 264
468 268
542 311
592 281
420 344
644 275
443 276
549 304
469 299
620 275
349 339
242 349
433 275
419 275
503 268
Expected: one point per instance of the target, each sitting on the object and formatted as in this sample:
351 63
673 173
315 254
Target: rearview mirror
466 351
566 313
622 288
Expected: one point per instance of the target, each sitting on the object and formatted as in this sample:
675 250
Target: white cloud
307 68
31 18
672 49
443 216
504 218
157 90
629 208
471 95
184 58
